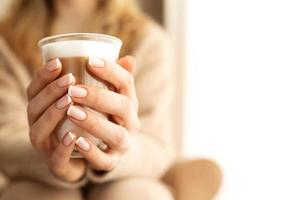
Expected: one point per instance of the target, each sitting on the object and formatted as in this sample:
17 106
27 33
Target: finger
62 154
98 159
113 135
61 164
128 63
45 75
44 126
114 74
107 102
49 94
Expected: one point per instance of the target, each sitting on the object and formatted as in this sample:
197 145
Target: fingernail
53 65
102 146
69 137
75 91
83 144
96 62
65 80
76 113
63 102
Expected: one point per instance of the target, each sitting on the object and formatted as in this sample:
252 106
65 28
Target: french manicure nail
65 80
53 65
63 102
76 113
96 62
102 146
83 144
75 91
69 137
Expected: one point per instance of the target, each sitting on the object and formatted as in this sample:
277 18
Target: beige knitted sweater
155 150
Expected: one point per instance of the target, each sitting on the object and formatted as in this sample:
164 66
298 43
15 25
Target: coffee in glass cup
74 50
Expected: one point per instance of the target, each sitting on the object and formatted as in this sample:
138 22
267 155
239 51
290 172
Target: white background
242 99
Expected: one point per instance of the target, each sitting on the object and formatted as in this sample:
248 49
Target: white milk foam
81 48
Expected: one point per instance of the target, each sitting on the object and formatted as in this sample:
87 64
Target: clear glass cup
74 50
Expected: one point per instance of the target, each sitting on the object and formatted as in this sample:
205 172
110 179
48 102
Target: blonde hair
31 20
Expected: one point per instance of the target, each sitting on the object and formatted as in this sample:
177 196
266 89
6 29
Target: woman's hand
48 103
121 105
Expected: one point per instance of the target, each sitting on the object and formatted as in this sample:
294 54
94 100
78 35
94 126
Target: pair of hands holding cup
49 103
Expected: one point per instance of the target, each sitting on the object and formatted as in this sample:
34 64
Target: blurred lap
32 190
130 189
125 189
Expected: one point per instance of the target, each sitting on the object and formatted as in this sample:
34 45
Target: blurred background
238 99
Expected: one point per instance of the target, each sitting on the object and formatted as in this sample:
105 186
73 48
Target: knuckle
51 114
40 75
29 92
121 139
131 108
131 113
32 137
94 126
134 124
50 89
126 104
129 81
37 141
33 133
123 131
30 110
95 94
39 144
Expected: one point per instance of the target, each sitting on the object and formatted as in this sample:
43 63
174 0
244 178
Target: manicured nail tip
75 91
69 100
63 102
76 113
71 78
66 80
102 146
70 90
69 110
68 139
53 65
83 144
96 62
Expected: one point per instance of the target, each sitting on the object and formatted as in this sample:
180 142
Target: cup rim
80 36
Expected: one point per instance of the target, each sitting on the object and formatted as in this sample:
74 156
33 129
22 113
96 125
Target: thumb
128 63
